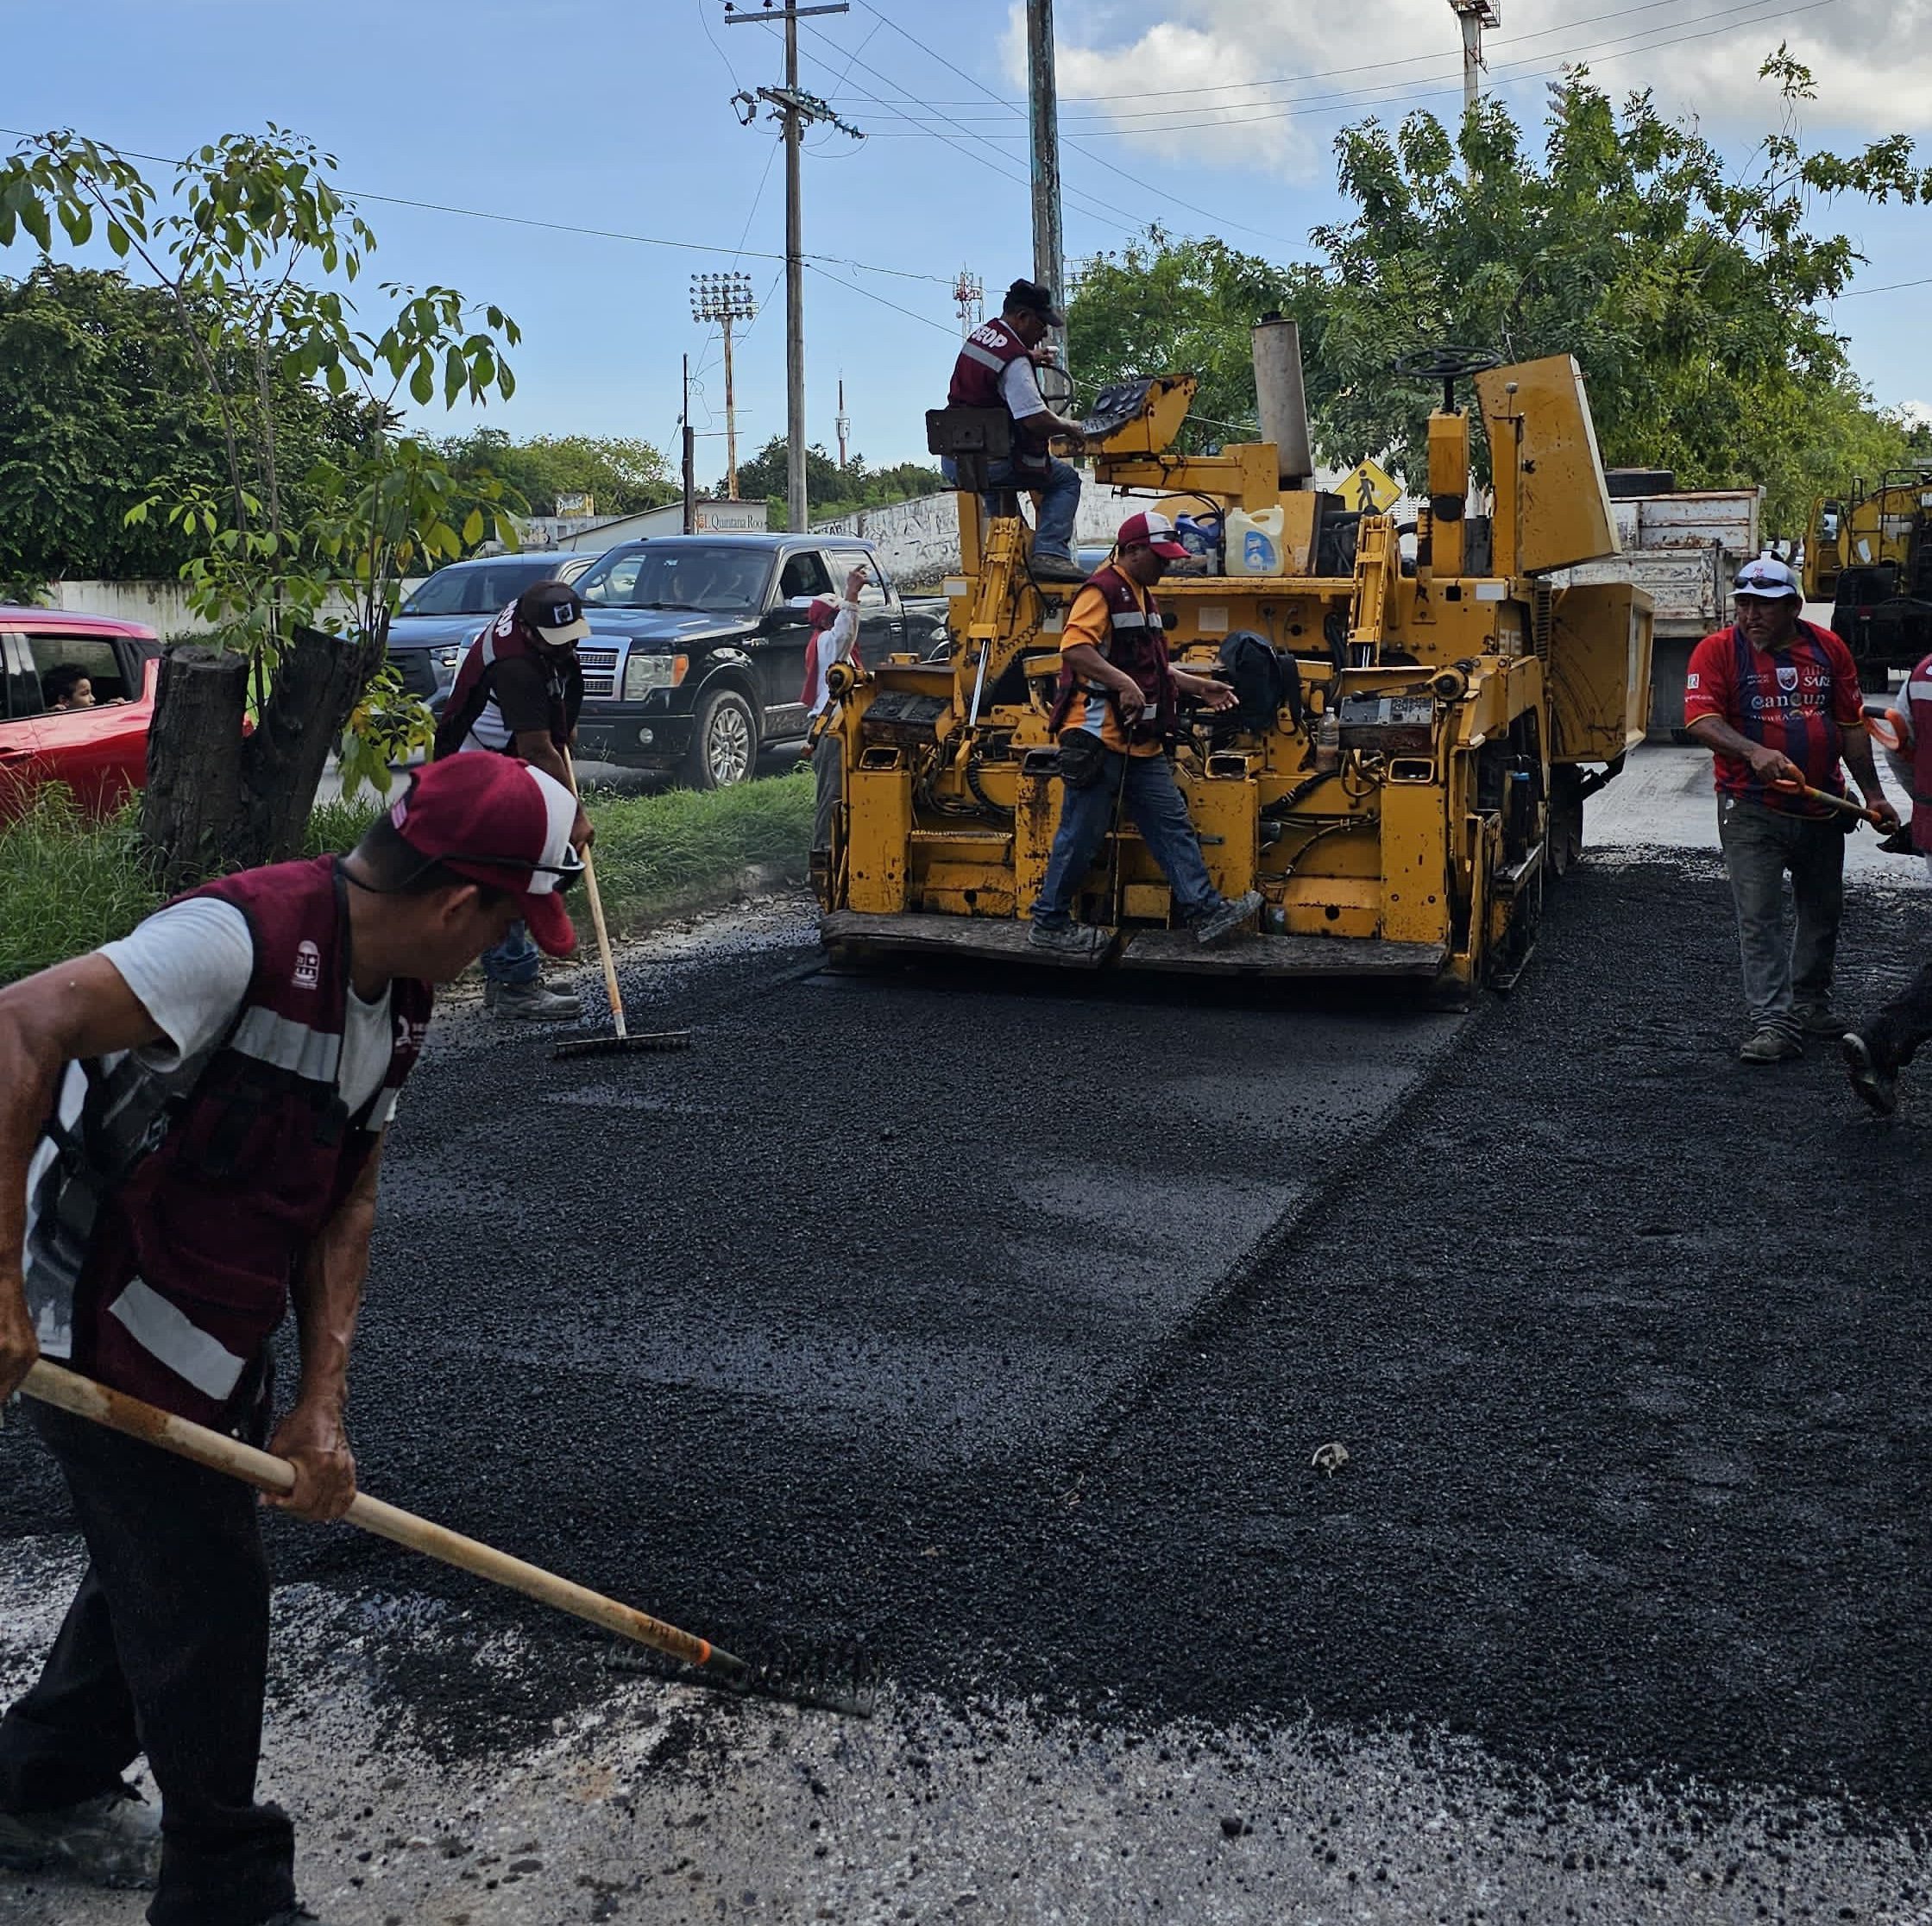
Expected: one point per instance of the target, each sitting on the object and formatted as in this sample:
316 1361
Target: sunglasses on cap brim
566 874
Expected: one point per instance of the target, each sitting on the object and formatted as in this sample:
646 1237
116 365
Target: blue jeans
1058 488
1153 802
515 959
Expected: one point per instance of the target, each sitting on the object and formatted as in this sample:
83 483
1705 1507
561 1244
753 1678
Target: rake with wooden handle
816 1684
652 1041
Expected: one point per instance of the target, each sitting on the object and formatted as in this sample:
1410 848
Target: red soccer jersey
1795 698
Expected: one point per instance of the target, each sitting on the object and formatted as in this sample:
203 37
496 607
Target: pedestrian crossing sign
1369 489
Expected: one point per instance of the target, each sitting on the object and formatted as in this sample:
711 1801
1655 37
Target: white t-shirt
834 646
190 966
1019 388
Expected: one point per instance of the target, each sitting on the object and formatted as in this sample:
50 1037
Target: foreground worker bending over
1877 1051
191 1125
1115 713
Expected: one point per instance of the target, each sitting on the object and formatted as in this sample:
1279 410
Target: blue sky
1212 115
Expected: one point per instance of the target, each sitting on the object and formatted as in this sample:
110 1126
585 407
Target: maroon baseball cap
495 820
1152 531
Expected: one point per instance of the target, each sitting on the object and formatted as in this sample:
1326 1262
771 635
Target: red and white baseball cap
1152 531
495 820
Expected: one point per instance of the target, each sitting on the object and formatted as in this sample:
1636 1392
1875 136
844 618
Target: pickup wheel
724 747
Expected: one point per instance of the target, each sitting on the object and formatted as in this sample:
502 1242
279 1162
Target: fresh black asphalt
992 1322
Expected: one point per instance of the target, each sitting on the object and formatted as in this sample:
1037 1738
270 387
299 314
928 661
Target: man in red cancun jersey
1776 699
191 1123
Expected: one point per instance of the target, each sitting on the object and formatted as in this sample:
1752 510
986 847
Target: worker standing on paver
1115 712
996 368
518 692
1776 699
1877 1051
191 1122
834 631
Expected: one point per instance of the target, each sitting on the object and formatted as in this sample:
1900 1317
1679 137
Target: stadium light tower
725 298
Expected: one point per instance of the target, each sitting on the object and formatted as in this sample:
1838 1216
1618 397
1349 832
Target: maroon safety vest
1918 702
504 641
167 1210
990 351
1137 643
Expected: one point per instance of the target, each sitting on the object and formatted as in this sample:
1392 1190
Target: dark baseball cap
495 820
555 610
1029 297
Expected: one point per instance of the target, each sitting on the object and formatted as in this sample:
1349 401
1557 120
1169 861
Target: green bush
68 885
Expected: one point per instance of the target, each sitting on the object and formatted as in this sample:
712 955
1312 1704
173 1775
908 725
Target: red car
76 695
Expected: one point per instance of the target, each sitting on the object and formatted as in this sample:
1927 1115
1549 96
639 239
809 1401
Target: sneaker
1770 1046
1820 1020
1055 565
533 1002
291 1916
1066 939
1218 925
1879 1087
112 1841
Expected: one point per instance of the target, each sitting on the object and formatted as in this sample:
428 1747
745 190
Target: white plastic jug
1254 542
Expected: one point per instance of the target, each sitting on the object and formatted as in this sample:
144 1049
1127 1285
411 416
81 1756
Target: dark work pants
165 1649
1894 1035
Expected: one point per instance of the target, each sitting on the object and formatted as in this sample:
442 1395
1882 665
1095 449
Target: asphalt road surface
991 1323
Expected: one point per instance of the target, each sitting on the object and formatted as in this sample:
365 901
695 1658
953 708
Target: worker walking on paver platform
1776 699
1877 1051
518 692
191 1122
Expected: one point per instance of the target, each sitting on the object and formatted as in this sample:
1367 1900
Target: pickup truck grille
416 670
599 670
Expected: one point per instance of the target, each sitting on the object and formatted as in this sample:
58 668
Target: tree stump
191 807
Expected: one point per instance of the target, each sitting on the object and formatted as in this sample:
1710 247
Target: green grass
68 885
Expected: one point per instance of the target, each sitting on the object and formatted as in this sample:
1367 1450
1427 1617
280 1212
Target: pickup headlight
643 673
447 659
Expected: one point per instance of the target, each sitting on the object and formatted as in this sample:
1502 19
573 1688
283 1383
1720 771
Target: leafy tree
1688 291
832 490
100 405
1160 307
250 220
623 474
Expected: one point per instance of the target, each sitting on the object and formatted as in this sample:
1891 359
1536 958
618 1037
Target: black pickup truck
696 655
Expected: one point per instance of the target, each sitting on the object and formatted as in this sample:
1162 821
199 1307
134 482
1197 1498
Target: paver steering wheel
1448 363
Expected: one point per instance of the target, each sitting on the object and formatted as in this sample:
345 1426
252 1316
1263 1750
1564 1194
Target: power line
1350 100
560 227
1166 194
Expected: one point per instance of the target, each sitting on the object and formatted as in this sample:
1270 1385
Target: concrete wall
919 540
161 604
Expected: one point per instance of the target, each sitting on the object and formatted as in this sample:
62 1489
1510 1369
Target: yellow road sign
1370 489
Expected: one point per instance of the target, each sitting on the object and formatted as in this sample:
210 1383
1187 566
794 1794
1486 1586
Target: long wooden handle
597 918
53 1385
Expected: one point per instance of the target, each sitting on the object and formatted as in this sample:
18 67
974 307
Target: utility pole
690 441
1043 117
794 111
969 292
1473 16
725 298
843 424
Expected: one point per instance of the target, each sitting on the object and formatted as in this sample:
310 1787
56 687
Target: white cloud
1274 80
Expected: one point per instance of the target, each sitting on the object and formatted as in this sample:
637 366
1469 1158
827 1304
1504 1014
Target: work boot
1054 566
111 1841
1218 925
1820 1019
1877 1084
1770 1046
293 1916
1066 939
533 1002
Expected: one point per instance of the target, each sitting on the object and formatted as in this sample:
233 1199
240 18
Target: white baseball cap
1768 579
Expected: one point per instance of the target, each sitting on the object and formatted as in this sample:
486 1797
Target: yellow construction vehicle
1869 554
1416 733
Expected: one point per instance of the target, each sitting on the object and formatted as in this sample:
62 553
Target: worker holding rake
190 1128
